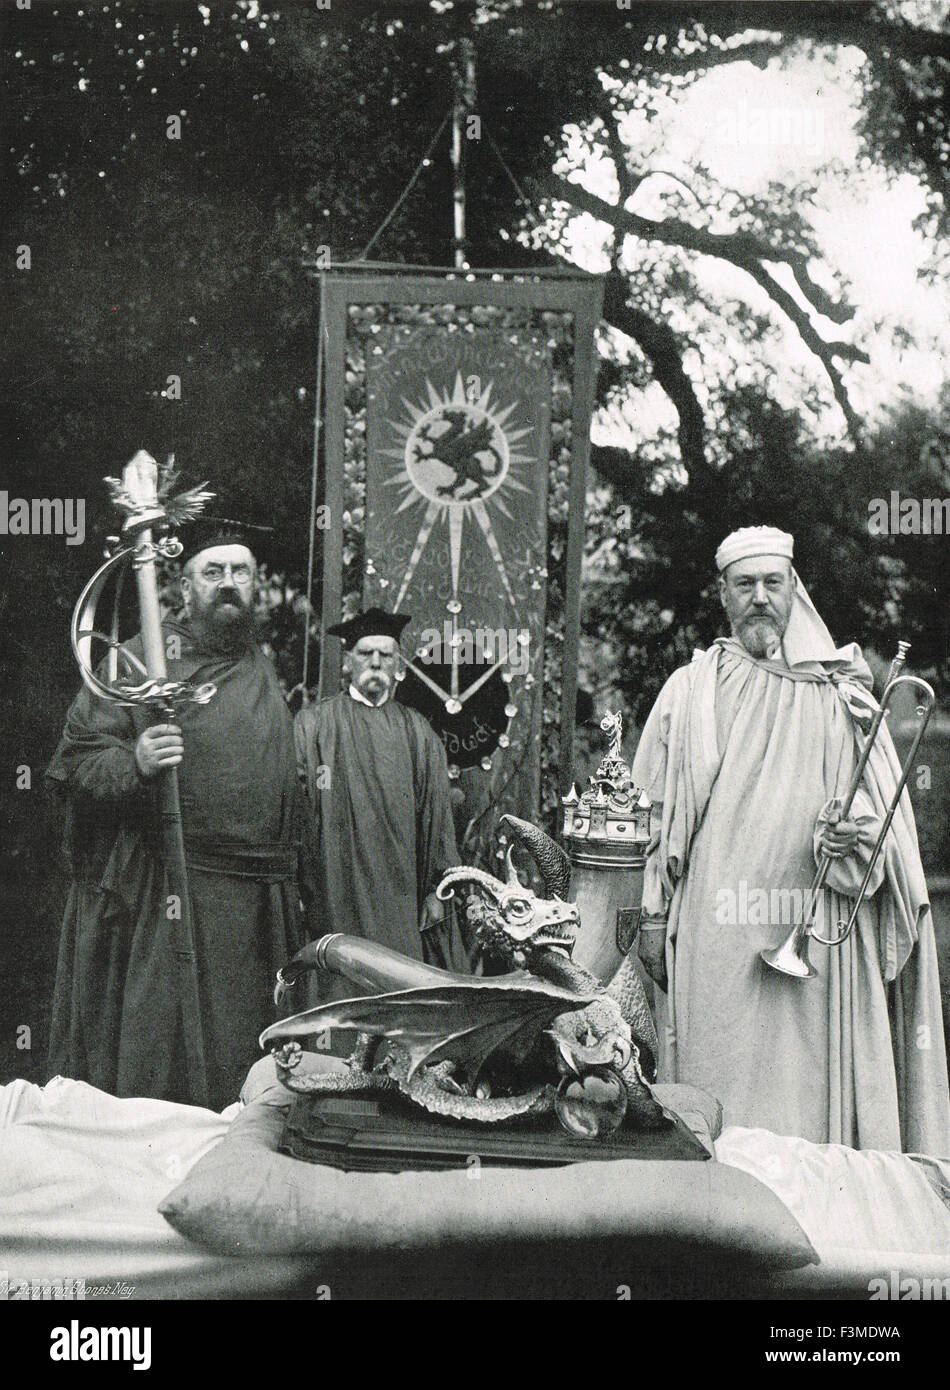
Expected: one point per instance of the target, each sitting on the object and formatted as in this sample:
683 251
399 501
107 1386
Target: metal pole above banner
462 107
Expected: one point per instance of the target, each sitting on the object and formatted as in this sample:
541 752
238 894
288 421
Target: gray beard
759 636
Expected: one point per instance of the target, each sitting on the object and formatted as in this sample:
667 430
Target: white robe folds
744 755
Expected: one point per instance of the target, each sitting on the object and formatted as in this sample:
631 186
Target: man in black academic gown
378 782
117 1019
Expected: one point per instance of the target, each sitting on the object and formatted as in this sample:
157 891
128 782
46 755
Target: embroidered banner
458 433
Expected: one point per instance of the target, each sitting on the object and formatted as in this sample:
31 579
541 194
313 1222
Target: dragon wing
464 1023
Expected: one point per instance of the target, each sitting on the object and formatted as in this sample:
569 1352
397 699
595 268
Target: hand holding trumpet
837 838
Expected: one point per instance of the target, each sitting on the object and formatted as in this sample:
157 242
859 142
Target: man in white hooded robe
749 751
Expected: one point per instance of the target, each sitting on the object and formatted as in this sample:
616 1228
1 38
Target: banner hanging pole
314 481
463 72
585 324
334 436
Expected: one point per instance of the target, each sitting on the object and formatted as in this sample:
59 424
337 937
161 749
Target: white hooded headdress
806 638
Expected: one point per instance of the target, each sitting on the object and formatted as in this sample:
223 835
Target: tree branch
823 350
735 247
904 39
828 24
915 115
618 150
660 345
745 252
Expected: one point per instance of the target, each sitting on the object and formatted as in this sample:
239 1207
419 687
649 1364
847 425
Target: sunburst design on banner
457 460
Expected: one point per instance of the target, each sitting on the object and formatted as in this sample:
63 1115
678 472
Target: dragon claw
288 1057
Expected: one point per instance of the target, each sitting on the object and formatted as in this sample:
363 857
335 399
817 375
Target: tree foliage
156 257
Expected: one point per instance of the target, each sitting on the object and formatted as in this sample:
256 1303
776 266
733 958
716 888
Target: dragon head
509 919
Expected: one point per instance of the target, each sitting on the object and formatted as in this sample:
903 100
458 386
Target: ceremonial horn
791 958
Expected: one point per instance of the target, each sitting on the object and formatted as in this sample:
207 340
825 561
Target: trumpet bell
791 958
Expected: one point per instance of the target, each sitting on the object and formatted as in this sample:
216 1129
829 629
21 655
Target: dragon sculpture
547 1036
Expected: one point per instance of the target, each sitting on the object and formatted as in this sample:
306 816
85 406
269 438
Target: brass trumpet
791 958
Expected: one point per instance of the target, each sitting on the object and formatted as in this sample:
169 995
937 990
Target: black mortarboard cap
207 531
373 623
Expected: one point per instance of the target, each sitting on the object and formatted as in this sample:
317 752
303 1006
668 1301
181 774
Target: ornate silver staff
150 516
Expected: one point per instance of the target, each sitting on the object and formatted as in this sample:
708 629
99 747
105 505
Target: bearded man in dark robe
379 787
118 1022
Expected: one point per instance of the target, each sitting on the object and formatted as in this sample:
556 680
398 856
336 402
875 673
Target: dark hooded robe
117 1021
379 790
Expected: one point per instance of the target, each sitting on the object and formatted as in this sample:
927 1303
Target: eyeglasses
241 574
